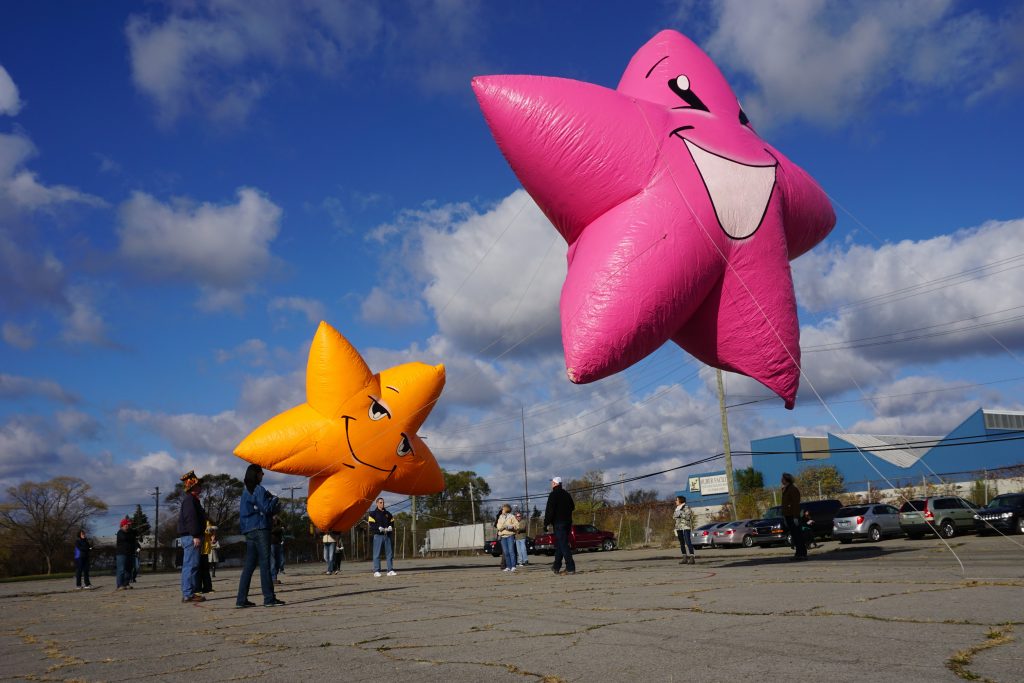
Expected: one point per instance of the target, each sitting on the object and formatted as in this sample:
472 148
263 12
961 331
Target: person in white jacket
682 520
508 527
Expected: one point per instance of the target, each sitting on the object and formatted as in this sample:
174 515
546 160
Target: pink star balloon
681 221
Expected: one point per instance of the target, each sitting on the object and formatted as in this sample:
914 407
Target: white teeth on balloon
739 193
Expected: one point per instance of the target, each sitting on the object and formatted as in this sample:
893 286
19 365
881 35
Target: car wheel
608 544
875 534
1020 525
947 529
789 540
748 542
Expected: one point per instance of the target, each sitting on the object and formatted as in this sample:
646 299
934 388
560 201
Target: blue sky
186 189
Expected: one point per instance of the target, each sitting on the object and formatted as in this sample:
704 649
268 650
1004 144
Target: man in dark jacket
791 512
381 524
191 527
125 554
558 514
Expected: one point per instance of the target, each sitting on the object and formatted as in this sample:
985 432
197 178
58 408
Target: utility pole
472 507
725 442
291 496
526 481
415 549
156 529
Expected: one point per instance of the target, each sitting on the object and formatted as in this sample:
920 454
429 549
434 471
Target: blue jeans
521 551
189 567
329 555
81 571
124 573
378 541
508 551
562 549
276 559
685 544
257 552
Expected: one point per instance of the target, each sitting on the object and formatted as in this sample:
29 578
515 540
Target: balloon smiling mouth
739 193
351 451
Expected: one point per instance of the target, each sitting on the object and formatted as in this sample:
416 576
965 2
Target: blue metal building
989 442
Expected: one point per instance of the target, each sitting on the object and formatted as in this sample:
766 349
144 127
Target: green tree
825 481
47 515
219 494
140 522
641 497
455 504
748 480
590 495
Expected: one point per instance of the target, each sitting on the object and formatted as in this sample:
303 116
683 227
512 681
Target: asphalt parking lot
897 610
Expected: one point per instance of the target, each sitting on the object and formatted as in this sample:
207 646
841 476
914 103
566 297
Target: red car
581 537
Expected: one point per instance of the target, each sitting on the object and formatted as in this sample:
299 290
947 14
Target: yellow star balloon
355 435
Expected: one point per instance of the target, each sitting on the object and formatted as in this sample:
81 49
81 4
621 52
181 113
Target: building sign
710 485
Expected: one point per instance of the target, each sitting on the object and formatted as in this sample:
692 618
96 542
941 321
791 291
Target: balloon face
355 435
680 219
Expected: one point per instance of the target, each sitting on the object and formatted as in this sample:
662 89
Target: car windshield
912 505
1007 501
773 512
852 511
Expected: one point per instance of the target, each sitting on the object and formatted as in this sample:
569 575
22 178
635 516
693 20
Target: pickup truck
581 537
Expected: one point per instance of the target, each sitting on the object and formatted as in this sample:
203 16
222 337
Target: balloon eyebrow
655 65
393 389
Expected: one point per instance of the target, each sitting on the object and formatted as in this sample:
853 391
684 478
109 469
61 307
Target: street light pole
156 529
526 480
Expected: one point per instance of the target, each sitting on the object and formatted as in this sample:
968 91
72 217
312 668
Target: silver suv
873 522
947 515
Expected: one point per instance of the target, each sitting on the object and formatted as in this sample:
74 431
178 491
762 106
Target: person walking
791 512
558 515
330 545
83 547
681 515
521 557
256 510
203 576
191 526
381 524
508 527
277 550
124 555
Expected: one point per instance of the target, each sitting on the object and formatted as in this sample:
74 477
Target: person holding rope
381 524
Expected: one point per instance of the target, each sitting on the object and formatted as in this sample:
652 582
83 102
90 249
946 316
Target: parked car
581 537
771 529
735 533
494 548
1003 513
873 522
945 515
704 536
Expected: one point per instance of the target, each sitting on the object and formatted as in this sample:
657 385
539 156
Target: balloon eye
404 447
680 85
377 411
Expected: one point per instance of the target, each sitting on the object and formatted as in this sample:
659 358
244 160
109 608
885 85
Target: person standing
521 557
191 526
277 550
214 555
204 578
330 545
381 524
681 515
558 515
508 527
256 513
791 513
125 555
83 546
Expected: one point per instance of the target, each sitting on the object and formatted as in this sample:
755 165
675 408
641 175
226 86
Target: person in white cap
558 515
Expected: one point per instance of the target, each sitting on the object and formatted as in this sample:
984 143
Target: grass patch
959 662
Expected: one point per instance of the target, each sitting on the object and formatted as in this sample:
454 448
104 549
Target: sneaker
572 573
556 572
273 603
194 598
245 604
506 569
278 582
78 588
377 574
89 587
392 573
512 569
692 560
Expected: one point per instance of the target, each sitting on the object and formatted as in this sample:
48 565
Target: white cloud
828 63
312 309
82 323
20 189
19 336
223 248
253 351
16 387
10 103
221 58
193 433
382 308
